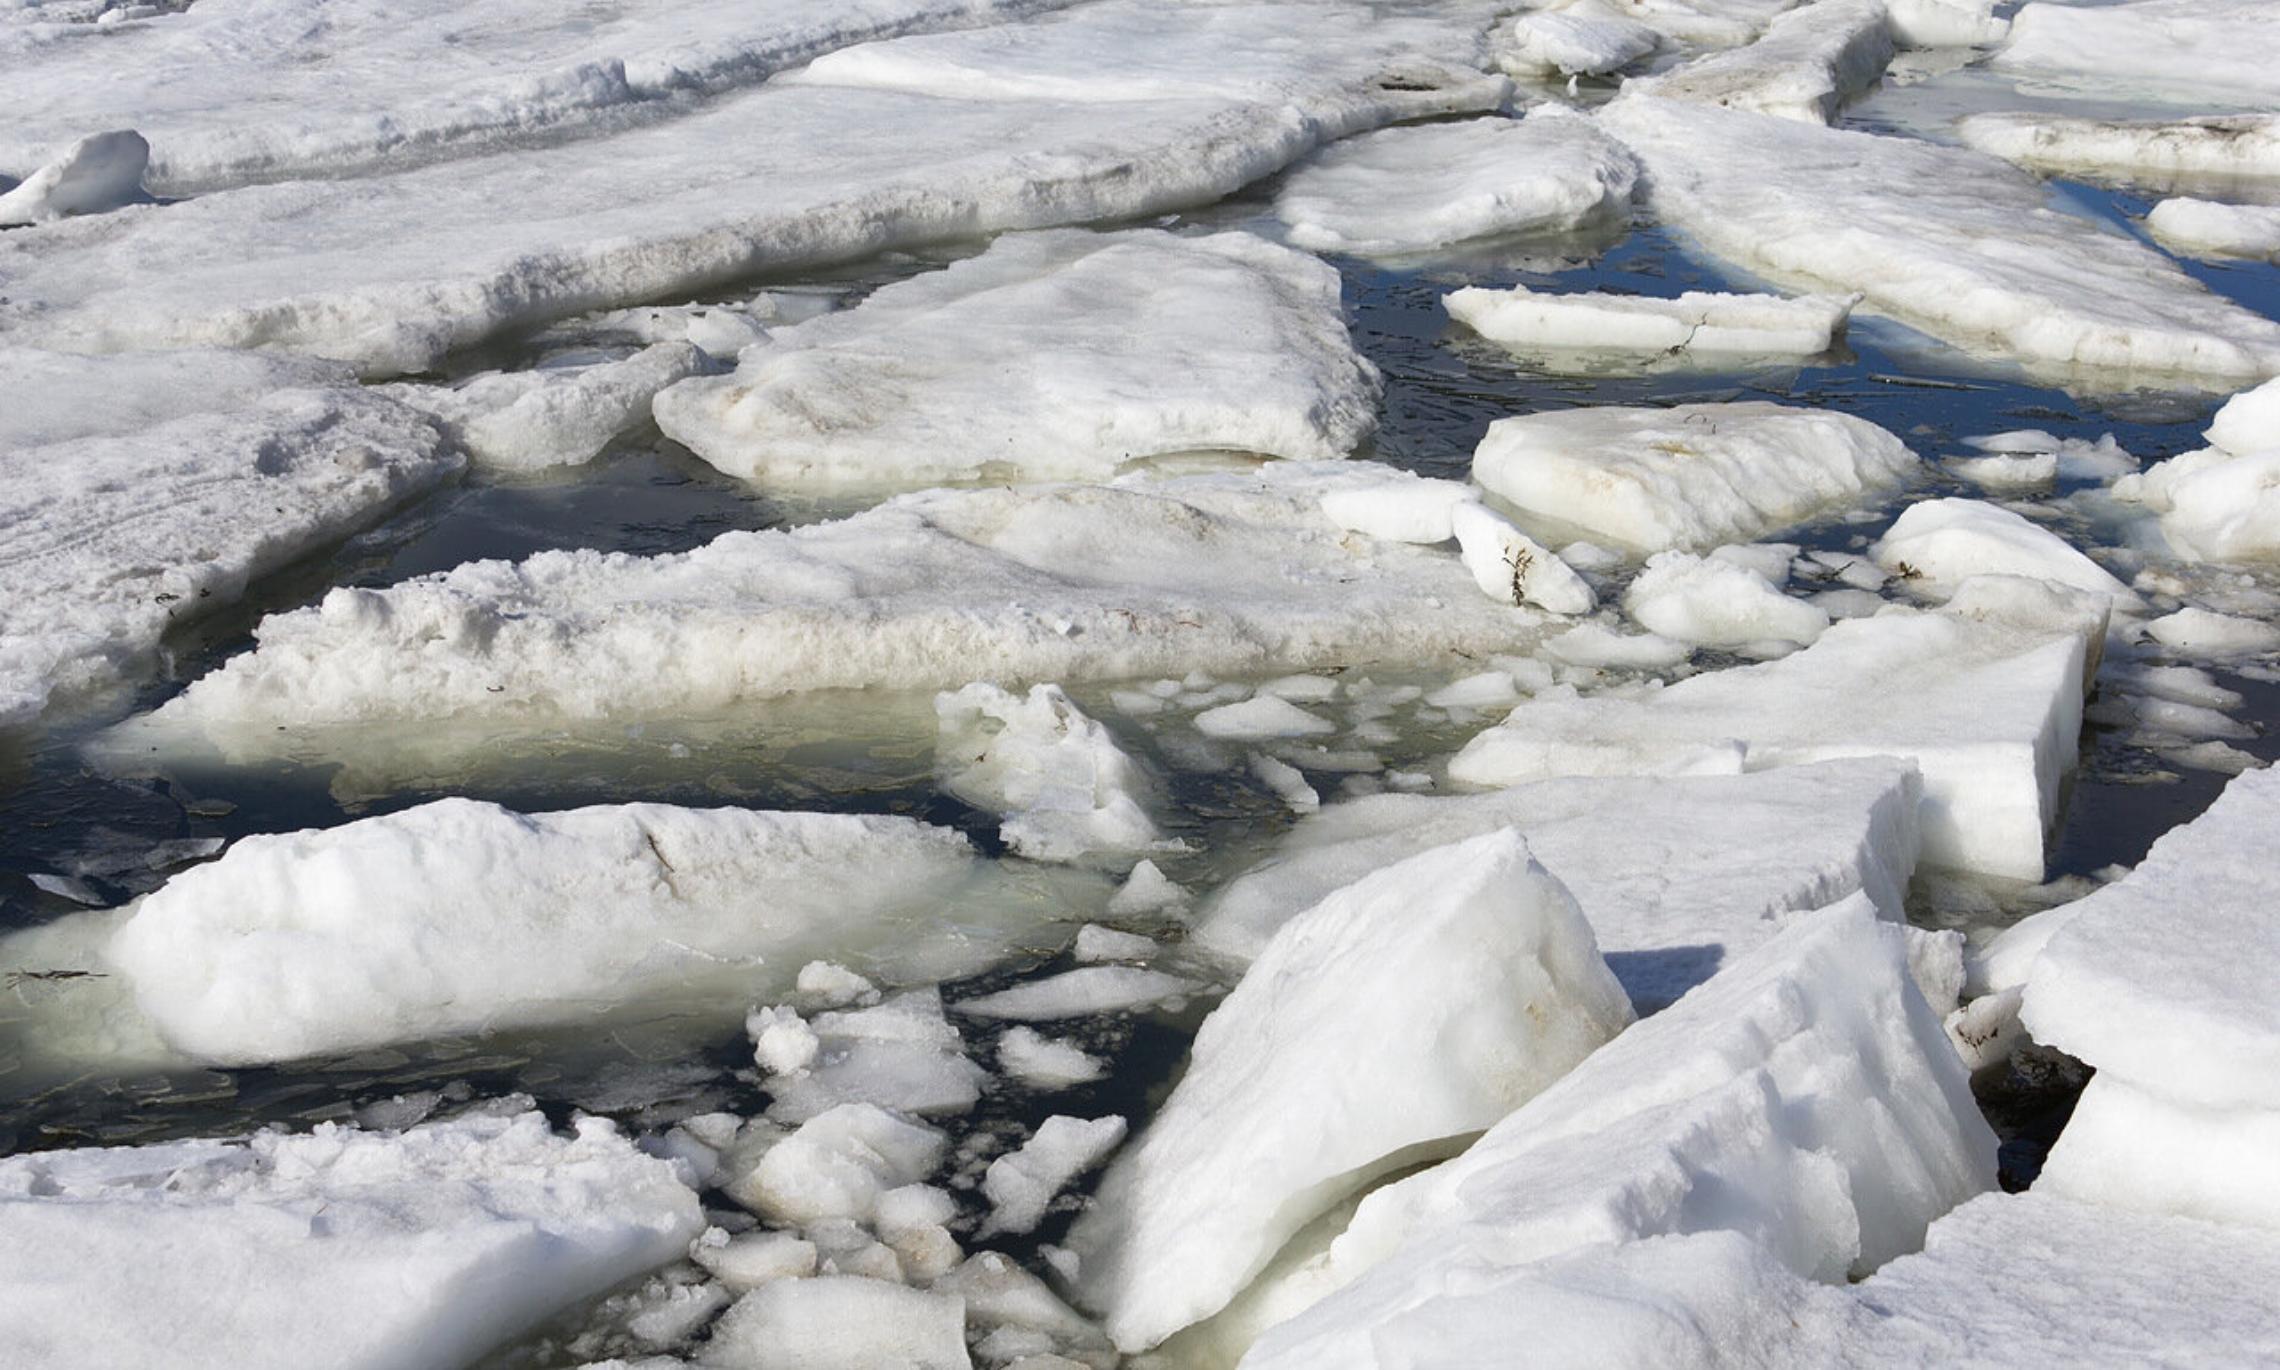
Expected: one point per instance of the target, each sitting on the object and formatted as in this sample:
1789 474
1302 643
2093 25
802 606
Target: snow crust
1700 322
1066 788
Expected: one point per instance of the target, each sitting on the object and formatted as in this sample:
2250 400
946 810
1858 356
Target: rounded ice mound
1940 543
1717 603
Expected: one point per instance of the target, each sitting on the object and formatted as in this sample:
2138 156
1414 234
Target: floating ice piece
1511 567
2205 228
1399 1014
1260 718
1696 322
1046 1062
1675 876
2161 981
1021 1183
1805 1099
1096 943
1233 573
1080 993
1002 1300
1691 476
429 1247
1543 43
2249 422
1717 603
1427 186
1066 789
1941 543
1059 354
2213 505
459 916
231 467
2219 147
1401 508
2191 47
2200 633
1592 644
901 1054
533 420
1961 245
838 1164
1809 61
95 175
2007 470
1945 23
840 1322
1985 696
754 1258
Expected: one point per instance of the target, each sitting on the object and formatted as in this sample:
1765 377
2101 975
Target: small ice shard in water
2206 228
1066 789
901 1054
1696 322
1080 993
838 1164
1021 1183
1042 1062
840 1322
95 175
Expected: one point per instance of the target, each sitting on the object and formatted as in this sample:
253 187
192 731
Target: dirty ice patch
1938 544
1061 355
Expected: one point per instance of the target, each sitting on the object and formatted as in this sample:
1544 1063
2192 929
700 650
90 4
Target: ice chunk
901 1054
2205 228
1591 644
2195 49
837 1165
1062 354
2249 422
459 916
1543 43
1021 1183
1805 1100
1675 876
2221 502
1067 583
2211 636
1096 943
1809 61
95 175
840 1322
1079 993
1695 322
1717 603
1259 718
1511 567
1401 508
1427 186
1940 543
2007 471
1956 243
1691 476
1985 696
428 1247
782 1042
532 420
1400 1013
1064 786
2219 147
1046 1062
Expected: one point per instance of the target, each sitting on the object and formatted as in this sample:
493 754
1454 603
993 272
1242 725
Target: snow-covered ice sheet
1691 476
1805 1099
1223 573
1051 355
553 416
1675 875
139 492
2210 228
1697 322
1961 245
1984 695
2190 50
1408 190
1065 787
1808 62
1400 1014
338 1247
2209 147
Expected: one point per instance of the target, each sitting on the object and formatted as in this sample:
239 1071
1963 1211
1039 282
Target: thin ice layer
358 1250
140 492
1961 245
1676 876
1219 573
1692 476
1051 355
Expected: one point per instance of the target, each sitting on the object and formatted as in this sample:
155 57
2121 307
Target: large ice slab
1224 573
1692 476
1984 697
2192 49
362 1250
1676 875
1698 322
1399 1014
1051 355
2219 147
1805 1100
140 492
1808 62
1959 244
459 916
1427 186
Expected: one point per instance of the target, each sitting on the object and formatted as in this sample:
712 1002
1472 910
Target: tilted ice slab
2220 502
1676 875
2211 146
458 917
1402 1012
1699 322
2206 228
1051 355
1219 573
1549 42
1984 695
140 492
97 174
1959 244
1067 790
362 1250
237 91
1805 1099
2194 49
553 416
1692 476
1806 65
2162 981
819 174
1427 186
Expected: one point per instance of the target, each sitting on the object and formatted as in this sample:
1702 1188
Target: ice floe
841 1322
1696 322
1513 568
2220 502
2210 147
1573 42
1066 789
1938 544
2207 228
1806 64
2190 49
1021 1183
1080 993
900 1054
1718 603
553 416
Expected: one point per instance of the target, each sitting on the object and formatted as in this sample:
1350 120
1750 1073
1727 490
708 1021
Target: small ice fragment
1021 1184
1079 993
1044 1062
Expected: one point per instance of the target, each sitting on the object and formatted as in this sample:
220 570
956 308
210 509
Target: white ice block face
1427 186
2202 50
1220 573
1396 1016
1804 67
1939 544
460 917
1062 354
1545 43
1984 696
536 420
237 465
1805 1101
1066 788
365 1249
1956 243
2218 147
2206 228
1676 876
1698 323
1689 477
